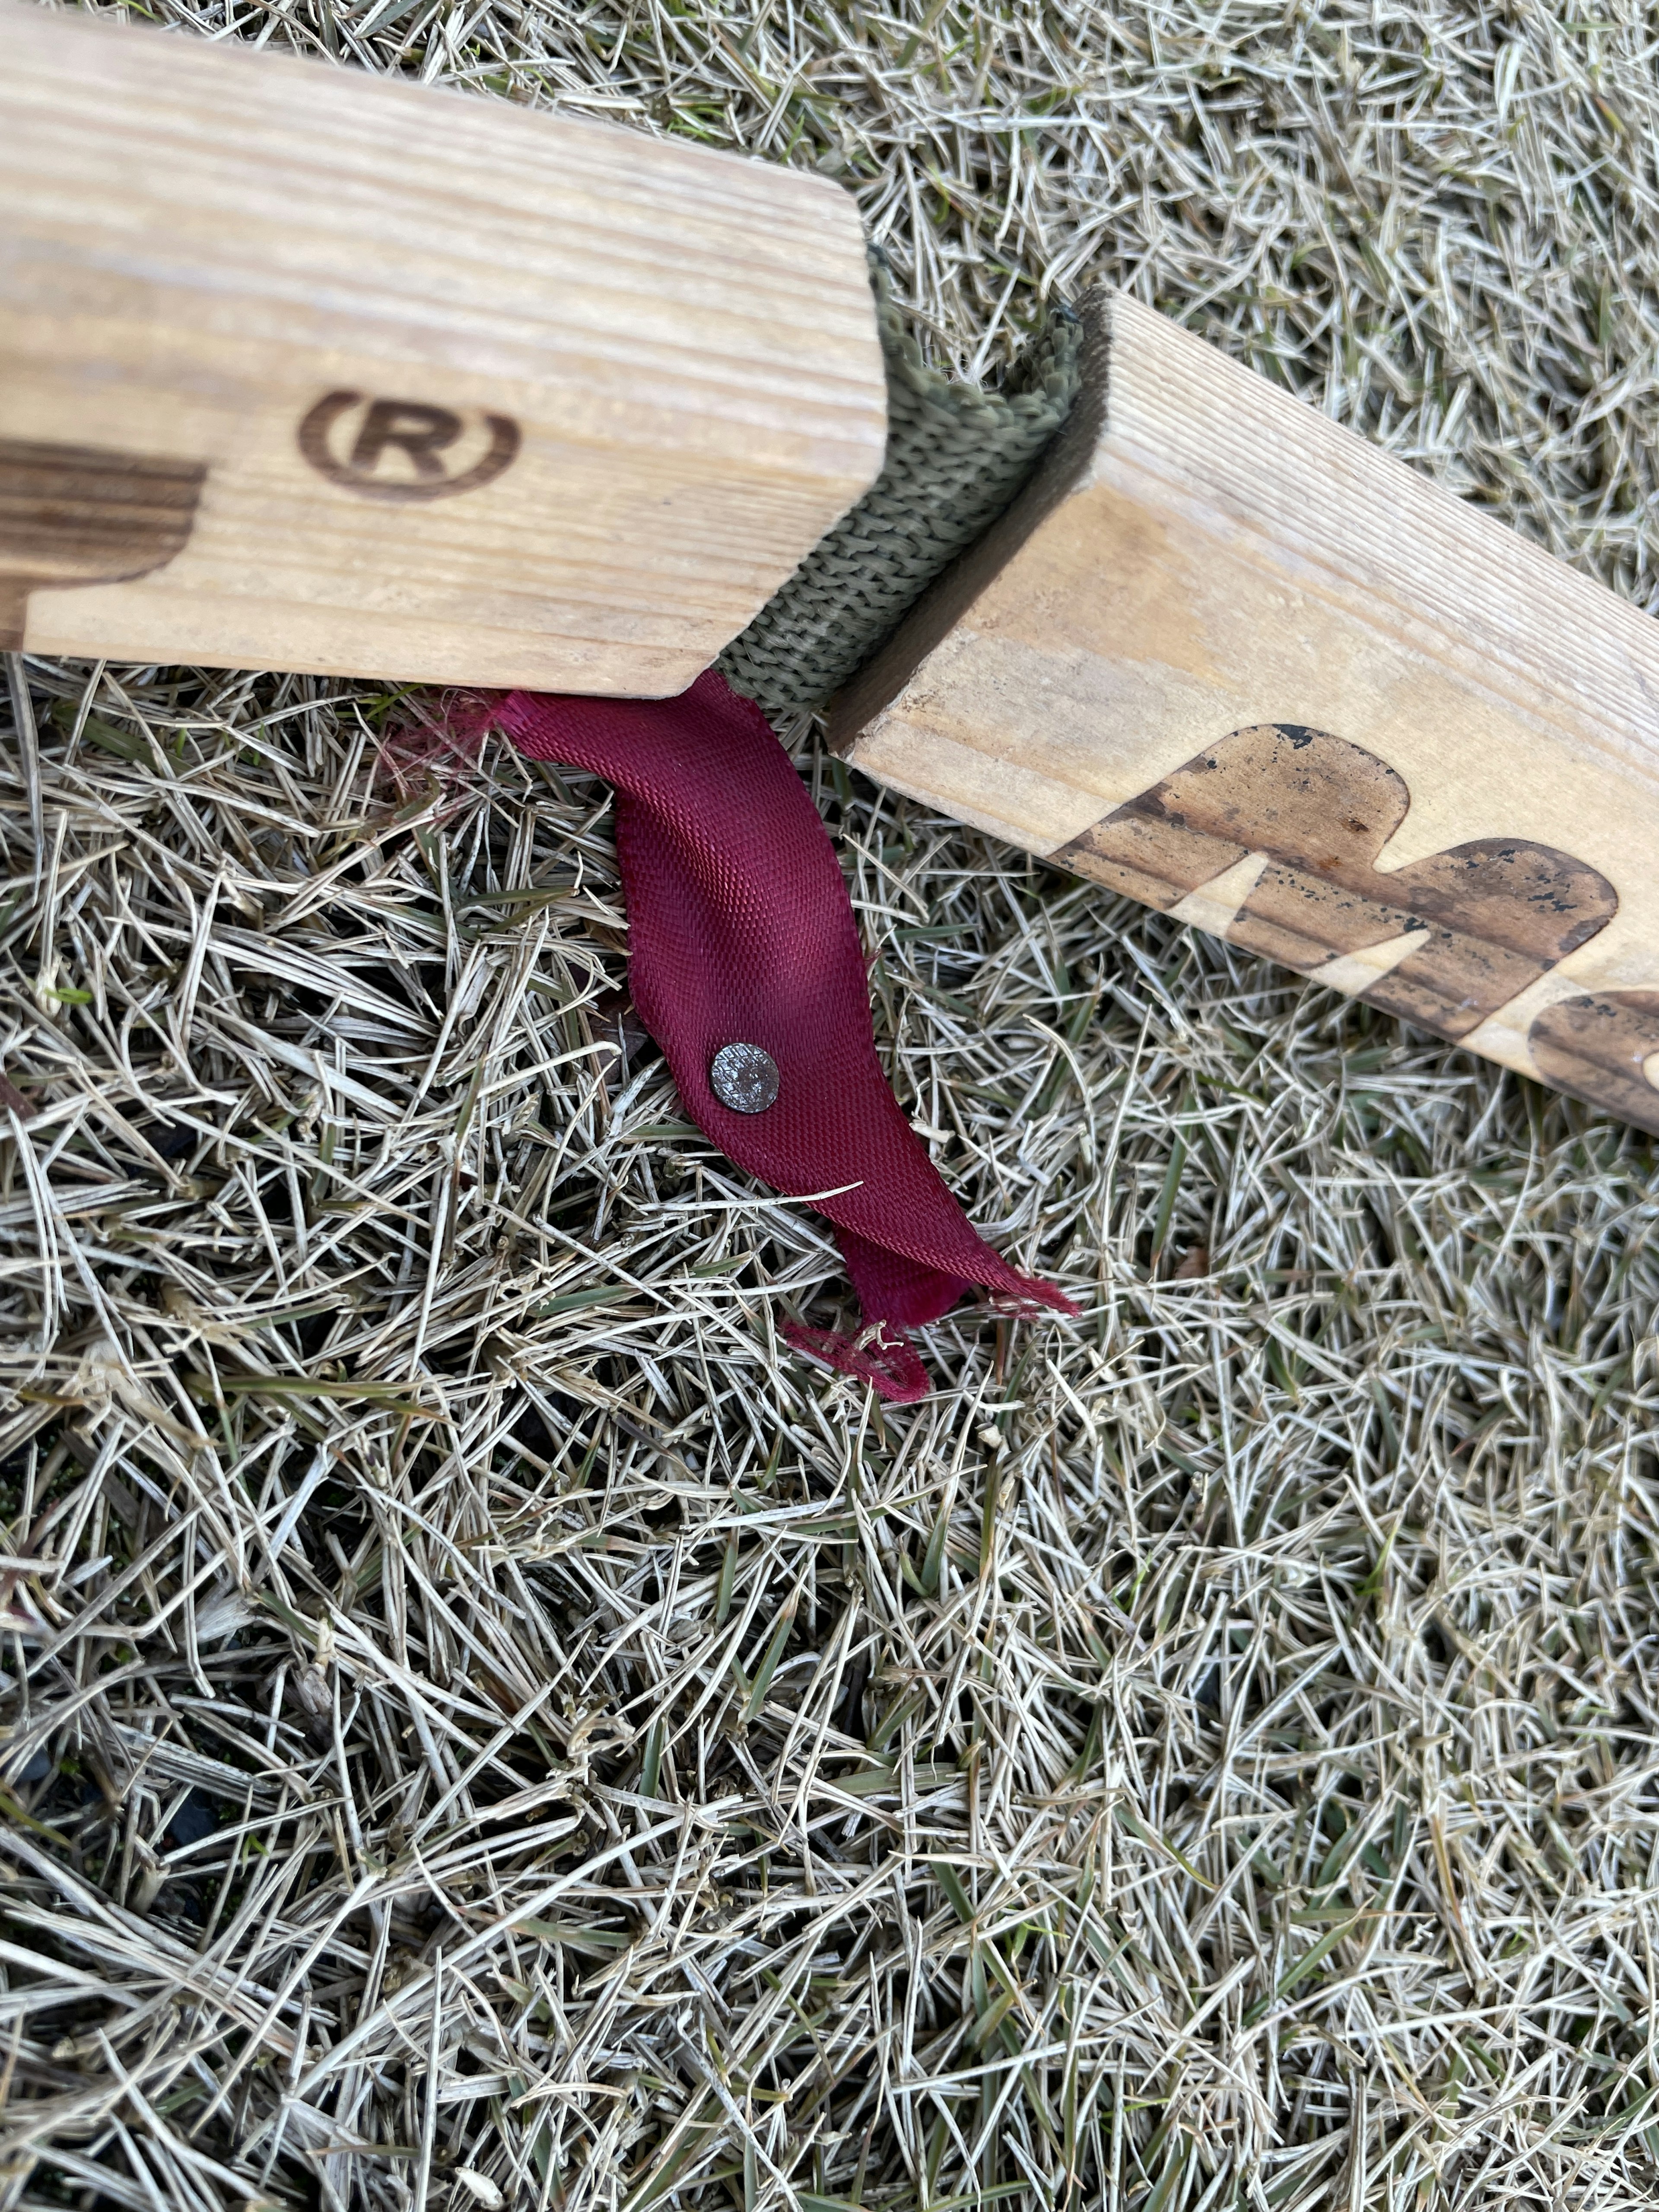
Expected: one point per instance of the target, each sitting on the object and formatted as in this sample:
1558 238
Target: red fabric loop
740 931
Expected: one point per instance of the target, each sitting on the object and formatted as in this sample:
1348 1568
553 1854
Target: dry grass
484 1726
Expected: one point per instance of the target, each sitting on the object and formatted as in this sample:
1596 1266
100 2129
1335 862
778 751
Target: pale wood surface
202 243
1205 562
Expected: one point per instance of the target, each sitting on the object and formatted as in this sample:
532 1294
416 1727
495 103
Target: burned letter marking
82 514
1494 915
1597 1047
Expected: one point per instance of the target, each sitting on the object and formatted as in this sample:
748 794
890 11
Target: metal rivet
743 1077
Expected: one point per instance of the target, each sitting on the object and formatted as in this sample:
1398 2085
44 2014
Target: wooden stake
1226 657
304 368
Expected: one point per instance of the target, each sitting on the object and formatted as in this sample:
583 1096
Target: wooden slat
350 375
1228 657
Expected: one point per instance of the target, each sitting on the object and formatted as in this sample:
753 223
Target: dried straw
484 1727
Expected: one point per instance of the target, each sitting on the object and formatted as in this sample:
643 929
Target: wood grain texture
1227 657
466 393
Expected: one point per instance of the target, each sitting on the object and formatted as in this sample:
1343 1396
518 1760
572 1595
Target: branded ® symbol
404 448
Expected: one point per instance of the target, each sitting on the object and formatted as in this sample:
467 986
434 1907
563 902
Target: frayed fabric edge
889 1364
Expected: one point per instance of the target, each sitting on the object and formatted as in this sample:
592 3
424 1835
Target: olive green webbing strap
956 457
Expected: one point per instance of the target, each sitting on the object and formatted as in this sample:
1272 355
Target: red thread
740 931
433 746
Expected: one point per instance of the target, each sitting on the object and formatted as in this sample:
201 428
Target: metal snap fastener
743 1077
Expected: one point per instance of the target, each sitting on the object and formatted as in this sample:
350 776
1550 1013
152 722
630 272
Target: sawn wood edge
1229 658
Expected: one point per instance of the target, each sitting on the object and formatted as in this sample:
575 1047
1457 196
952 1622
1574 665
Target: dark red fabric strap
740 931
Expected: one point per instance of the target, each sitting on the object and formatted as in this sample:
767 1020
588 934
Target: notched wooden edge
946 601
